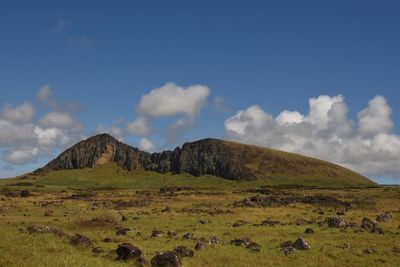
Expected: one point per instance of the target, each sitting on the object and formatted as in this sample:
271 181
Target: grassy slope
279 167
110 176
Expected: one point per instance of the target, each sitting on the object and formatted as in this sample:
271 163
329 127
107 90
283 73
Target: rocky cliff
220 158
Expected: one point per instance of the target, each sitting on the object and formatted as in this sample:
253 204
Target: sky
319 78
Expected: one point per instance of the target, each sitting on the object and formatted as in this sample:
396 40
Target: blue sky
99 58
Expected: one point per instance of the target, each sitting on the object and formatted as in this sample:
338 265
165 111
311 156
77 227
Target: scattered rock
200 245
239 223
371 225
204 221
171 234
174 189
384 217
166 259
368 224
166 209
253 246
309 231
188 236
25 193
368 251
184 251
128 251
81 240
156 233
122 231
241 242
288 250
214 240
335 221
269 222
44 230
301 244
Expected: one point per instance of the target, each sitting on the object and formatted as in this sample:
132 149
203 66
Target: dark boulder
25 193
166 259
336 222
384 217
200 245
81 241
184 251
301 244
128 251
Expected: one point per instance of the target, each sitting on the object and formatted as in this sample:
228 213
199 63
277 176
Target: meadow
155 212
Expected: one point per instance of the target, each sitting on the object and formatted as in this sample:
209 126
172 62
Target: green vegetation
93 201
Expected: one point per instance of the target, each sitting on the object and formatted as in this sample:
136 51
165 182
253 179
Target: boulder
128 251
384 217
184 251
335 221
301 244
200 245
166 259
81 241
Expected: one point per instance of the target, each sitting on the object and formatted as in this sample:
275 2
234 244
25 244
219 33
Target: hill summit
229 160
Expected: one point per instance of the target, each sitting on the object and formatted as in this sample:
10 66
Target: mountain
229 160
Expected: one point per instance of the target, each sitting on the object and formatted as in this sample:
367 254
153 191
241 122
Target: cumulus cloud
139 126
24 138
171 99
22 156
19 114
146 145
326 132
60 120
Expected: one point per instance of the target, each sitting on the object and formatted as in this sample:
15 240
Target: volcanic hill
225 159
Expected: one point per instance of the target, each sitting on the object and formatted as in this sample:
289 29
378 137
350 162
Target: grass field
93 202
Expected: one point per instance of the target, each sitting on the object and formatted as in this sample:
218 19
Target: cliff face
220 158
208 156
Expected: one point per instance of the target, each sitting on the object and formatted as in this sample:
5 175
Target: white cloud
289 117
22 156
61 120
146 145
20 114
139 126
326 132
24 139
376 117
44 93
171 99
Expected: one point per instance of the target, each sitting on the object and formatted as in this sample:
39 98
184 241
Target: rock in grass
241 241
166 259
336 221
25 193
214 240
384 217
156 233
253 246
44 230
171 234
81 241
128 251
188 236
309 231
184 251
301 244
200 245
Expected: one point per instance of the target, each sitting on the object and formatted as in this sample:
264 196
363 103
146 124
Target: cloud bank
24 138
368 146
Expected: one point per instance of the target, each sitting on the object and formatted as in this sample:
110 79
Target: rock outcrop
215 157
